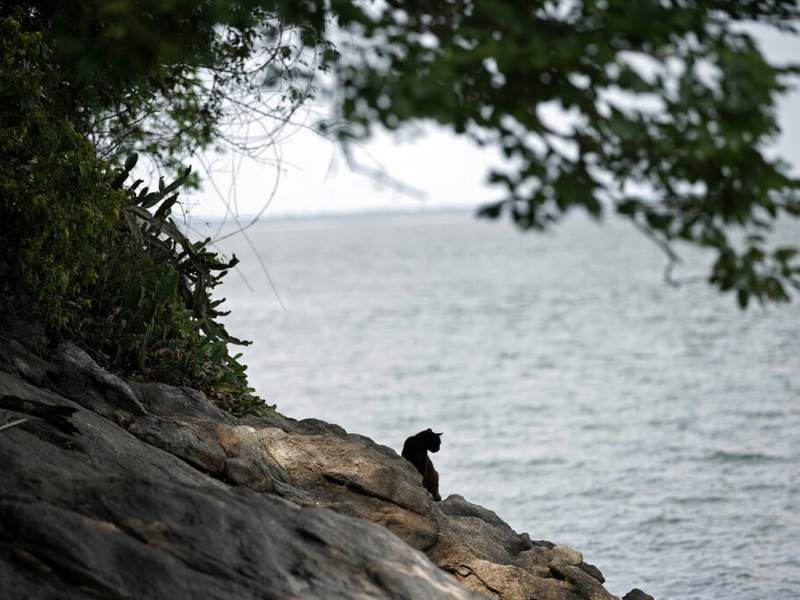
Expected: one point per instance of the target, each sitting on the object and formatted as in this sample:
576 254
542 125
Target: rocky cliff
117 489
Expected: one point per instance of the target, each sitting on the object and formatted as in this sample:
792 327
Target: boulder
159 493
637 594
110 514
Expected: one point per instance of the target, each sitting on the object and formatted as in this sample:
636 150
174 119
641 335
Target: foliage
55 194
664 108
662 114
89 258
152 312
165 78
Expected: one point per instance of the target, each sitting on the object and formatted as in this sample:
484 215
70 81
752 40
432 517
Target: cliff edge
142 490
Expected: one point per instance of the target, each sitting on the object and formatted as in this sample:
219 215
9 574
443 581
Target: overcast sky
445 169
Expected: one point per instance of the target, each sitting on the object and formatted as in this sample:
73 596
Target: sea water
586 402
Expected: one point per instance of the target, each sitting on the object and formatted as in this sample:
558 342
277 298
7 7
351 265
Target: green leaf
167 286
132 295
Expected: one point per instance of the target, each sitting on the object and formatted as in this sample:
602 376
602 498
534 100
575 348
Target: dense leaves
99 262
54 193
657 111
152 313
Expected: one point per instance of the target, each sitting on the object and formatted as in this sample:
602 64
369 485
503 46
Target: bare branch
13 424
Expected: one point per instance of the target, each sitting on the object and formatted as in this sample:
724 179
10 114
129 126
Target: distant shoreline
336 215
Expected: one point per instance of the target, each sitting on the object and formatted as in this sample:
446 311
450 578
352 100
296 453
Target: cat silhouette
415 450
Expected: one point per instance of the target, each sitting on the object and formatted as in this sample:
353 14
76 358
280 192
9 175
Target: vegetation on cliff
670 107
94 260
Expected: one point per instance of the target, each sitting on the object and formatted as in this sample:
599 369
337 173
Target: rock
510 582
158 539
80 378
18 359
189 441
585 585
247 462
174 402
164 495
315 426
535 560
592 570
564 555
116 516
56 416
457 506
637 594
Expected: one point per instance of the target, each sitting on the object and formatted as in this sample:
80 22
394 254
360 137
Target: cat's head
433 440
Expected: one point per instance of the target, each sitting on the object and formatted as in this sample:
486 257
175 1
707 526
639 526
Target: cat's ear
429 430
440 434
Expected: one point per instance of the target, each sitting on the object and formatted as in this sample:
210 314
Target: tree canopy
666 107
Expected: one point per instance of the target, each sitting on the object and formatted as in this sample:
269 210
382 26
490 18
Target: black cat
415 450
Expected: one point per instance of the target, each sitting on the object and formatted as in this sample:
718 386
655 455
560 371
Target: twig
672 258
12 424
55 415
242 229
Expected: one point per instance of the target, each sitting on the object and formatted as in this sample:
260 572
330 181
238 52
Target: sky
434 168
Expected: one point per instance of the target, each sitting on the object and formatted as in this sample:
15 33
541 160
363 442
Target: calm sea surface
657 430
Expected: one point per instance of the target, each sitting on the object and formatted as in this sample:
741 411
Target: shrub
152 313
87 257
58 206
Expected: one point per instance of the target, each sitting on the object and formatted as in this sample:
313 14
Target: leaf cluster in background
666 108
664 113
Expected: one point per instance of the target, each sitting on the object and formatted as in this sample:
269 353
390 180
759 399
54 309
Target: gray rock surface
162 495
